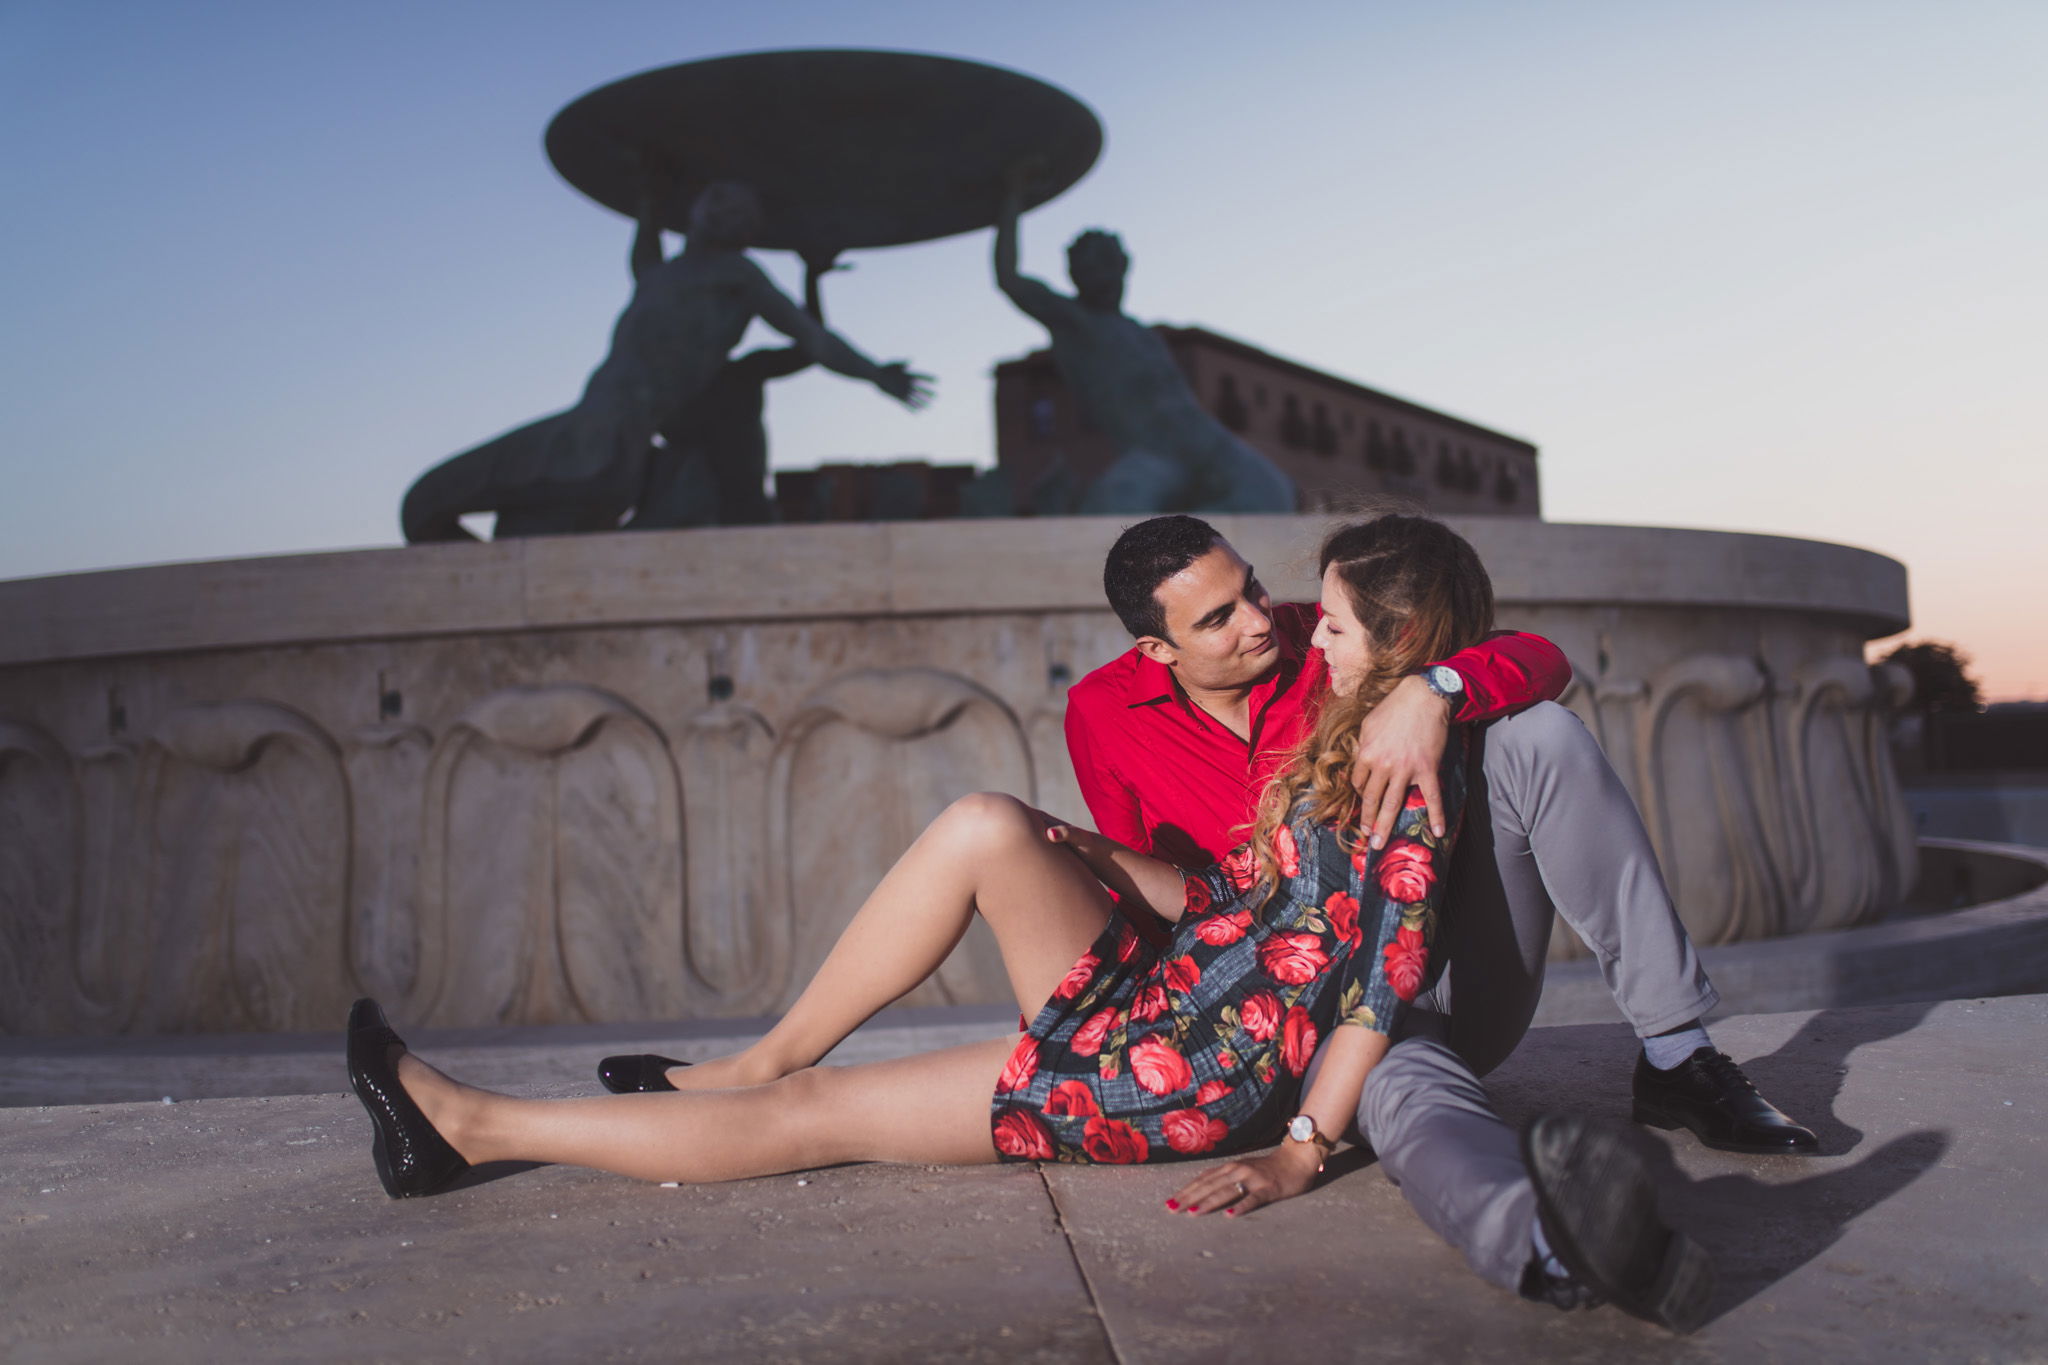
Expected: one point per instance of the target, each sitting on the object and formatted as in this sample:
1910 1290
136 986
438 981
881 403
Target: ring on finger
1240 1189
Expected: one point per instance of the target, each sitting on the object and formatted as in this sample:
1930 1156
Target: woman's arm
1389 964
1241 1186
1137 879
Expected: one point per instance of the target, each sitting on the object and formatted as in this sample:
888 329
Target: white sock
1552 1267
1668 1050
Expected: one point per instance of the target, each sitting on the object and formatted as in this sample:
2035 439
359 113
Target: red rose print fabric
1197 1049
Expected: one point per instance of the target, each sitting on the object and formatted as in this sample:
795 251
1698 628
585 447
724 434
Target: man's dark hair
1144 557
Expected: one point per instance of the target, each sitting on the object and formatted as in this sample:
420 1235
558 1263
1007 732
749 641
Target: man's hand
907 387
1241 1186
1400 745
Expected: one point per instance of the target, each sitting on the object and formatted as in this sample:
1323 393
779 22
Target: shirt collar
1151 682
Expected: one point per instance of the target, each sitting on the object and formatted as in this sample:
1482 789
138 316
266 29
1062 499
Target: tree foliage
1941 676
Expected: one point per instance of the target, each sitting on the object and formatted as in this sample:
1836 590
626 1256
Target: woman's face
1343 641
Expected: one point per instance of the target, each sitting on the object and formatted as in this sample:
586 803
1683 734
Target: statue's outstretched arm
1033 296
780 312
781 362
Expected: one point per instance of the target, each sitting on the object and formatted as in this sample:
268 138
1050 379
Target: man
1172 742
1171 453
582 469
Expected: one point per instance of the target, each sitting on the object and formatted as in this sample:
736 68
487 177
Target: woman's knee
985 820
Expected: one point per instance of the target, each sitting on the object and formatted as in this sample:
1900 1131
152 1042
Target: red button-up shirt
1164 776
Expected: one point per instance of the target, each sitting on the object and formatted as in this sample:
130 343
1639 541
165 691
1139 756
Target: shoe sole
1651 1117
1679 1295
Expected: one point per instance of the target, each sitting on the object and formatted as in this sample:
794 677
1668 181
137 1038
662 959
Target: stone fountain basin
648 776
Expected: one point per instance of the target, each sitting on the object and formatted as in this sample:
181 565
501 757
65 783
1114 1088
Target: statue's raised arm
647 255
1033 296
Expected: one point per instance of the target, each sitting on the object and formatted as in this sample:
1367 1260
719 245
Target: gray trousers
1550 829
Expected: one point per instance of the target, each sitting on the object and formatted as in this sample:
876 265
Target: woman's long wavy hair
1422 595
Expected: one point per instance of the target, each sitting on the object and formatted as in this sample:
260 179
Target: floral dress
1198 1049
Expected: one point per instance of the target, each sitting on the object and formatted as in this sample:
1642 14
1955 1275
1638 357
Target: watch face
1446 678
1302 1129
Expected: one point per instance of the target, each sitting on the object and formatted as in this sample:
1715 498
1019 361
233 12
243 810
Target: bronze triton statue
583 469
1172 455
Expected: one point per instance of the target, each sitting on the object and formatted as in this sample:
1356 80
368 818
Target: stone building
1337 440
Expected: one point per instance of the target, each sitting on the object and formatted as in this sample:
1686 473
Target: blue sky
1772 267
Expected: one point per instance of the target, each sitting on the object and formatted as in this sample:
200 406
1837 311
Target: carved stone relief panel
113 917
865 764
551 875
727 750
1846 873
39 873
247 817
387 769
1072 649
1893 689
1700 738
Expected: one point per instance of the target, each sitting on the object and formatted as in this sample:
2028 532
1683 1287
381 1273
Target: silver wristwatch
1302 1128
1445 681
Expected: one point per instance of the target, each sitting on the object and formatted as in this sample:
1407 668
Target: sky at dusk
1762 267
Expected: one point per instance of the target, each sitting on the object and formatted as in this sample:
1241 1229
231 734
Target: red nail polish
1173 1203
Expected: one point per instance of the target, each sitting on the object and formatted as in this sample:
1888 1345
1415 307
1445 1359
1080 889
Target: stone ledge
900 568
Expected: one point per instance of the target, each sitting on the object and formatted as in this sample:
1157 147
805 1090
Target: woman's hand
1241 1186
1148 882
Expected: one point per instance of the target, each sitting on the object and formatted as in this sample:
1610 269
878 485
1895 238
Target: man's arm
1034 297
1402 739
828 349
1509 671
1111 801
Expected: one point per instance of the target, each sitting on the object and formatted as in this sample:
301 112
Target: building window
1323 435
1043 419
1294 432
1230 408
1376 454
1404 458
1506 487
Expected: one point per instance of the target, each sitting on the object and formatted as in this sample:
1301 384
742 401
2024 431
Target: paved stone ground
254 1228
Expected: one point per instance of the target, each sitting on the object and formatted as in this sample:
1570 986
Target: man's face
1220 622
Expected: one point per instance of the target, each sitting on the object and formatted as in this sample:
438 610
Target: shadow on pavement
1804 1076
1760 1233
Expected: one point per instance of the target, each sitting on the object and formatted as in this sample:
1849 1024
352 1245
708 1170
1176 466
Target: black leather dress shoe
1708 1093
1599 1211
412 1159
636 1073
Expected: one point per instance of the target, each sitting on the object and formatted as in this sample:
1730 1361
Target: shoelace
1723 1070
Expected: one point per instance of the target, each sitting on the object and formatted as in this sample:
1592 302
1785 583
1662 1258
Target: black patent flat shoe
1599 1211
412 1159
636 1073
1708 1093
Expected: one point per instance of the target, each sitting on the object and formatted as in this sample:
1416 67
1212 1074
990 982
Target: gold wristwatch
1303 1129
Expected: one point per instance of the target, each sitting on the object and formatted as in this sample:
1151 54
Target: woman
1134 1054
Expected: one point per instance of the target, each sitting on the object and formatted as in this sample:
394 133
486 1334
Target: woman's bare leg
985 853
933 1107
